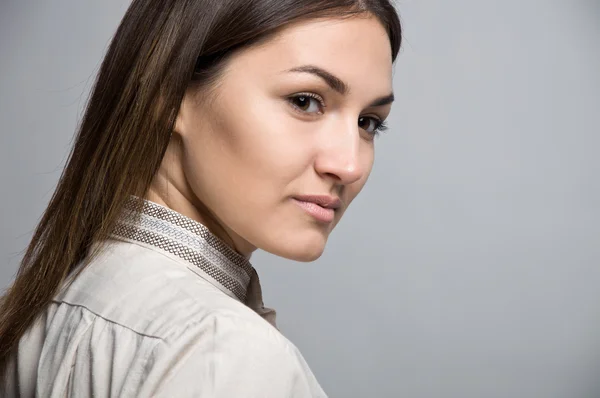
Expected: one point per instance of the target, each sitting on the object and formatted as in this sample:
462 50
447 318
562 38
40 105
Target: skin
236 160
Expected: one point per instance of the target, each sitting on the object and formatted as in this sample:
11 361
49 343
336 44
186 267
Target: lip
321 207
326 201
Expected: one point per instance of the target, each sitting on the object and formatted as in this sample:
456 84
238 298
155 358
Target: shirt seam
62 301
169 336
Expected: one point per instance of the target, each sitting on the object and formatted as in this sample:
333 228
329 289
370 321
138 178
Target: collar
159 226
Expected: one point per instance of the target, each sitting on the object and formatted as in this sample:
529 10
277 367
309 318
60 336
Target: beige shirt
166 310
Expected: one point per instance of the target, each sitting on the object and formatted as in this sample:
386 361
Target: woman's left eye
373 125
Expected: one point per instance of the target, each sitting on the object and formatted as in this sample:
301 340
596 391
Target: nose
341 156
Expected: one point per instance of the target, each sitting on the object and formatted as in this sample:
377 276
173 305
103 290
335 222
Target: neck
197 211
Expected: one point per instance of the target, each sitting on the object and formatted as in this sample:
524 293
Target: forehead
351 48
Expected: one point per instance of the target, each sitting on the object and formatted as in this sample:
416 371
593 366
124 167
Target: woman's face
252 155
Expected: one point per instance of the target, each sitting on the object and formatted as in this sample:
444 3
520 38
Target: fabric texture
166 310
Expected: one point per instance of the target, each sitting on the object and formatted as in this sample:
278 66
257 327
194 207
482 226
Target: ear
182 117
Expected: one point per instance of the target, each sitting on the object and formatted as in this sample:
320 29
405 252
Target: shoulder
149 292
226 355
184 336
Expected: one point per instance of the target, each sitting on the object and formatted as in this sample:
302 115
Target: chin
304 249
305 256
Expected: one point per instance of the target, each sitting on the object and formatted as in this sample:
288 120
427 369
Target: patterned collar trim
187 239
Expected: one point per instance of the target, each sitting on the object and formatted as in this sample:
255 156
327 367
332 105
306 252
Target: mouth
321 207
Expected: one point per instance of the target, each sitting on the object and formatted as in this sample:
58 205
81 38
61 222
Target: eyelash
380 126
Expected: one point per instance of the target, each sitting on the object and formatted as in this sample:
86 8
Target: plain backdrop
470 264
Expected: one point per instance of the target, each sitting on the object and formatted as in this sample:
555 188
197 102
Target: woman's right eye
307 102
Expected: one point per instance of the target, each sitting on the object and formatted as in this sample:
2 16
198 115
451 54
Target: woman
214 129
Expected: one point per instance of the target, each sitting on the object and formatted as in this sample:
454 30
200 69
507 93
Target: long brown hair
159 50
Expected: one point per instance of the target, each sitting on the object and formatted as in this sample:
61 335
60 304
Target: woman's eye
371 125
313 103
308 103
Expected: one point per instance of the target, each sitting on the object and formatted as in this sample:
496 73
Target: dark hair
161 48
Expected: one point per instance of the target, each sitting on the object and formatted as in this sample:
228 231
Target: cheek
266 142
262 150
248 152
354 189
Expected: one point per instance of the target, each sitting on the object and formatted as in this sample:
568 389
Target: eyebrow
338 84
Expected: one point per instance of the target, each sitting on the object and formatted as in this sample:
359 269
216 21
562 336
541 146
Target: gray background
470 264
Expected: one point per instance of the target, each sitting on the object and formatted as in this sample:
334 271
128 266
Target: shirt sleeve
227 357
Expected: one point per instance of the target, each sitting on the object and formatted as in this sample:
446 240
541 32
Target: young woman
214 128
